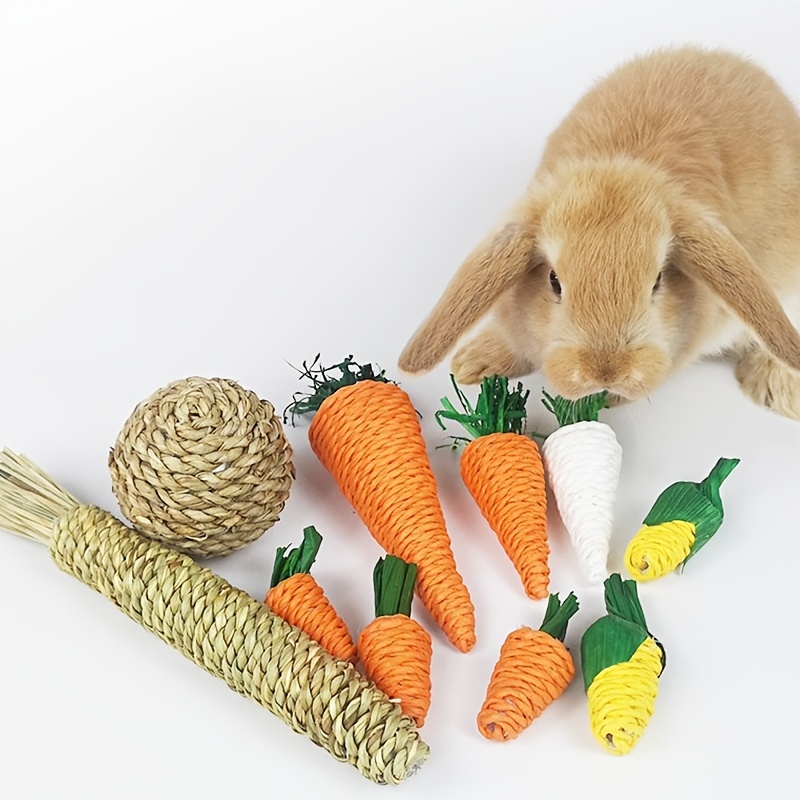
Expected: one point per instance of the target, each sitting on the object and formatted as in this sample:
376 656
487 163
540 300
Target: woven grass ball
202 465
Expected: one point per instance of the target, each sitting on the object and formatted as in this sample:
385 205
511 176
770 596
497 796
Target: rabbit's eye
555 285
657 284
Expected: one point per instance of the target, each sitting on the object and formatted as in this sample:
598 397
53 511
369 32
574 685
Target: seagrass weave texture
238 639
203 465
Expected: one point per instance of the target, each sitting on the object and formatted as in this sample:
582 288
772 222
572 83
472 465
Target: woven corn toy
682 520
203 465
621 663
219 627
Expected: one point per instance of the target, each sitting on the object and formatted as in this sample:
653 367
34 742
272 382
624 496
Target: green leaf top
622 600
558 614
393 580
298 560
498 409
324 381
568 412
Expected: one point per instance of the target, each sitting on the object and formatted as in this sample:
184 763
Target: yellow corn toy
621 664
683 518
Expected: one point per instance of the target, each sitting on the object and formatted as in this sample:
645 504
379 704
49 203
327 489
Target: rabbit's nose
605 369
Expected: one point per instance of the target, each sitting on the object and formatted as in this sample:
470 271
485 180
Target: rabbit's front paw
770 382
484 355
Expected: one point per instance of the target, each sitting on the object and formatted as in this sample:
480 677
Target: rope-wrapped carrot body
583 460
365 432
503 471
622 663
396 650
295 595
219 627
682 520
533 669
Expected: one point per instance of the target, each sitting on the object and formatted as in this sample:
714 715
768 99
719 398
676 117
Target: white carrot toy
583 460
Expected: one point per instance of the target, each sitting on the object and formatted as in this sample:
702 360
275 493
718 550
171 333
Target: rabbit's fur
662 225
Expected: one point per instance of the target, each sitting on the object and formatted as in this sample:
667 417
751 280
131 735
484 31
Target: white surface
222 188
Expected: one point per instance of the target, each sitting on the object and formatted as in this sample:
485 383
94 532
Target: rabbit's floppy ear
494 264
707 251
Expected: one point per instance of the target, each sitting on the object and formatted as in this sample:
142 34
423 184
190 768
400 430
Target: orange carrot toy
297 597
503 471
366 433
395 649
532 671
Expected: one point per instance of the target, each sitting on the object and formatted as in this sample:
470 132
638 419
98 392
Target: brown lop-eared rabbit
662 225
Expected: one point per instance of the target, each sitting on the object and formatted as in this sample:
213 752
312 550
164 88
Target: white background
228 188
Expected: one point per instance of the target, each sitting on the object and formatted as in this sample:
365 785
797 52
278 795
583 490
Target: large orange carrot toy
296 596
395 649
503 471
533 669
366 433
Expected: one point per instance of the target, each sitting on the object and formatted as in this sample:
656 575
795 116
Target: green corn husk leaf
614 638
622 599
608 641
393 580
297 560
558 614
698 503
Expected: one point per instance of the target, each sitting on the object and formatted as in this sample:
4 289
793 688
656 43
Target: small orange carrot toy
503 471
296 596
532 671
395 649
366 433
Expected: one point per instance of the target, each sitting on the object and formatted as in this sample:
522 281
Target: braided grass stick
219 627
